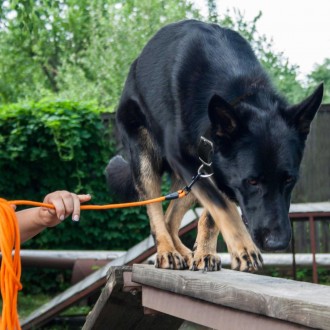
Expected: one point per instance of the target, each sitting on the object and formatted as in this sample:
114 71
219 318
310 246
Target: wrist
42 218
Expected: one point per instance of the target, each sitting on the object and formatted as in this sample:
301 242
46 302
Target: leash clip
202 174
205 151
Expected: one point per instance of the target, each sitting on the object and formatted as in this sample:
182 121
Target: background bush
51 145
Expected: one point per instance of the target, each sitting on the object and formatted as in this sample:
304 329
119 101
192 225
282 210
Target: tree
319 74
284 74
76 49
82 49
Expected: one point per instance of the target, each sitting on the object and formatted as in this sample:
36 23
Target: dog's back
180 69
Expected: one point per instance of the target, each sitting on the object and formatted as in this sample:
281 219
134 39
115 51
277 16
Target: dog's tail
120 179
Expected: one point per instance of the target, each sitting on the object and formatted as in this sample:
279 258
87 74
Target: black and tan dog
194 79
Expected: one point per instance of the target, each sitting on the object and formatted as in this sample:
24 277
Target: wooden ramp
144 297
95 281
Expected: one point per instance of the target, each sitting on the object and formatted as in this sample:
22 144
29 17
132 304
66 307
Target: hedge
51 145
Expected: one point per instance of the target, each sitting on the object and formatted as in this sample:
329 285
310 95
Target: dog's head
257 156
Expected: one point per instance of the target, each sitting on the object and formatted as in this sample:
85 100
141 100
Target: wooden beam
300 303
206 314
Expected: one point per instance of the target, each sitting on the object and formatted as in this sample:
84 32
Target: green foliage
51 145
284 74
322 73
82 50
77 49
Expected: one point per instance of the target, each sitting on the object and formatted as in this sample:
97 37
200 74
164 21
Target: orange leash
178 194
10 241
10 266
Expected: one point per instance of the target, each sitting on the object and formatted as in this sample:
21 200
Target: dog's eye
252 182
289 179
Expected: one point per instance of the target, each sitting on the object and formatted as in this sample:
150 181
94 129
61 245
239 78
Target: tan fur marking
234 232
173 217
206 243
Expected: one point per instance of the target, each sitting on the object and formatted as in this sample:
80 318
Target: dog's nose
272 240
275 244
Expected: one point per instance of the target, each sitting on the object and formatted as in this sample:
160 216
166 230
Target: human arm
34 220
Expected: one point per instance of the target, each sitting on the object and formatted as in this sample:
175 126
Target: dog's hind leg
173 217
170 253
148 181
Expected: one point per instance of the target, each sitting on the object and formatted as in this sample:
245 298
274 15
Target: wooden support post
313 247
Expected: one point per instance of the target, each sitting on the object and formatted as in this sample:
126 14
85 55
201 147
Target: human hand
65 203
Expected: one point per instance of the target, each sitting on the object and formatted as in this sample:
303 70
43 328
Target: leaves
78 49
58 144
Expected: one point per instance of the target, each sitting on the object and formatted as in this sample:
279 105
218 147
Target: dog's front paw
207 262
170 260
246 260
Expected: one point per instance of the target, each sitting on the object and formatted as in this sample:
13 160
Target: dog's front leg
205 248
244 253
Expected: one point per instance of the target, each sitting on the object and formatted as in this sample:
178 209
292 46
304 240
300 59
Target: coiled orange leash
10 266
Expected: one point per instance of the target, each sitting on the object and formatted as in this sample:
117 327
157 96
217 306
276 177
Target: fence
314 182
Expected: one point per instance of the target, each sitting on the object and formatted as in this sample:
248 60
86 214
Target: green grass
27 303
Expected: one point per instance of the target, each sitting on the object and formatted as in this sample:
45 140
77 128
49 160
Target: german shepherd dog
195 79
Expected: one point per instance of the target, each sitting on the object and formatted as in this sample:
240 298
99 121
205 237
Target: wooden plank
297 302
63 259
310 207
322 207
209 315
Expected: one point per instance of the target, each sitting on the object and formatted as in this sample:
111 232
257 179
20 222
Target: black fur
193 79
119 177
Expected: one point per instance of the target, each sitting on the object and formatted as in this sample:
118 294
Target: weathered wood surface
321 207
64 259
298 302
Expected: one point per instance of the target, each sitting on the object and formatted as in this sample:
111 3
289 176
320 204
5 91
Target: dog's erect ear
302 114
222 116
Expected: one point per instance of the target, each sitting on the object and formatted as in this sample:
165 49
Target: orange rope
10 266
11 263
181 193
